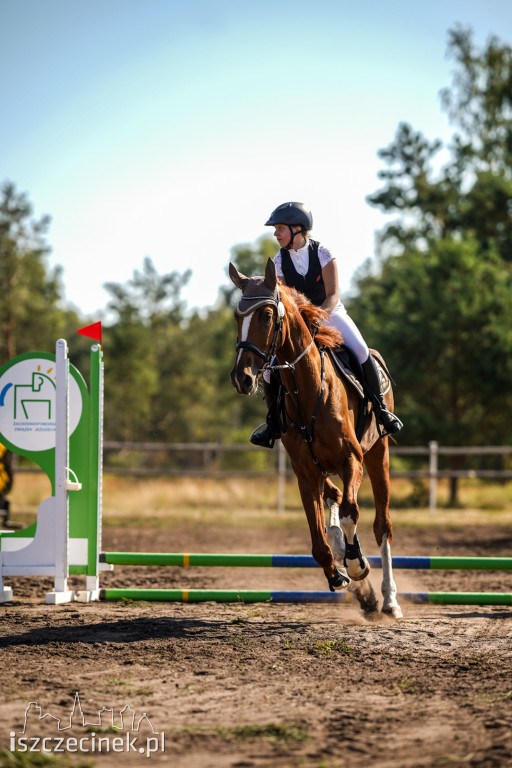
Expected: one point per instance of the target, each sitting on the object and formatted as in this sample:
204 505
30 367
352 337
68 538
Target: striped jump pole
299 561
309 596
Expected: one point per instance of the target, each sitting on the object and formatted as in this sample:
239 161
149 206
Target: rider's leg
389 421
272 430
354 341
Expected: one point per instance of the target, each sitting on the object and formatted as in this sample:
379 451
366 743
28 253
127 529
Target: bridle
278 328
306 433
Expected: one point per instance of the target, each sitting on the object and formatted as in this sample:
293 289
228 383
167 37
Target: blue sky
172 128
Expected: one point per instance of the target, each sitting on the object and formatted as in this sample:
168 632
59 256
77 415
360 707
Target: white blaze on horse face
246 324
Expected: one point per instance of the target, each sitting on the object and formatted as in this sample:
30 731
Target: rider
309 267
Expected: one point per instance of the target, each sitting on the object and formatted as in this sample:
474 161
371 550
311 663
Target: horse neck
296 339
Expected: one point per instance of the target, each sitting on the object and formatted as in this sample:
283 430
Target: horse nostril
247 383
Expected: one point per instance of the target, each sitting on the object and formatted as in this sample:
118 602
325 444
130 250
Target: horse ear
271 275
238 279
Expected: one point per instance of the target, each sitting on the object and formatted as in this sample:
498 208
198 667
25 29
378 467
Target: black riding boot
389 421
266 437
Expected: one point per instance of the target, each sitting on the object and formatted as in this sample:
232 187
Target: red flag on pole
92 332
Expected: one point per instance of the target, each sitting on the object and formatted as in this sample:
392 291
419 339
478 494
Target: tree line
436 299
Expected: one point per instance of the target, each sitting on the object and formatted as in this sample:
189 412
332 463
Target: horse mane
314 317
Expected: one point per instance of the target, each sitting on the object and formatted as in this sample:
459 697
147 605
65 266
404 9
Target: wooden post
281 477
433 468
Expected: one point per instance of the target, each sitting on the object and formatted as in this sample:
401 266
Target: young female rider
309 267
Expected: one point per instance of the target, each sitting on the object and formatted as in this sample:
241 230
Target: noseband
278 327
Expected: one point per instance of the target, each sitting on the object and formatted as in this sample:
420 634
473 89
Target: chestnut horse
279 327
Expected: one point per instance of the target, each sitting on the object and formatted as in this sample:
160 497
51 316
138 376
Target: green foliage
250 260
169 377
443 321
31 317
438 304
472 192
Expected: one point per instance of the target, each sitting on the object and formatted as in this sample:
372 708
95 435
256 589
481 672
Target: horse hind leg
389 590
377 466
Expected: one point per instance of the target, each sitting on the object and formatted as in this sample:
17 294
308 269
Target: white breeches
350 332
352 337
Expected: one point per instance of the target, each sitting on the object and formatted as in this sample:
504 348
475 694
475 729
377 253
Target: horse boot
389 421
272 431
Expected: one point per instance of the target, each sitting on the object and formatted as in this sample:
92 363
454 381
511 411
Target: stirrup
389 421
266 437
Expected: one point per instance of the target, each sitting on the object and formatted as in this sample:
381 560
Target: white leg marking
334 534
349 528
334 512
390 604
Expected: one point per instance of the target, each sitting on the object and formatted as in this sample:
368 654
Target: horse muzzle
244 378
245 381
244 374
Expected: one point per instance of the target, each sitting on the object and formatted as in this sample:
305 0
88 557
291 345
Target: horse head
259 315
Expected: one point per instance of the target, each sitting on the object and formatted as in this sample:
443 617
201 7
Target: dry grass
253 502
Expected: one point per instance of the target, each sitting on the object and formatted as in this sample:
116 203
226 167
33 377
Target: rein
278 329
267 357
306 434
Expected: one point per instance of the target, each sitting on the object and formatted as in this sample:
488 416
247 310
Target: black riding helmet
292 215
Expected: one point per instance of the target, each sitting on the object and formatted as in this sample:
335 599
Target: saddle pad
341 363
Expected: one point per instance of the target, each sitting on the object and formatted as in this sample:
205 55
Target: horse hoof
339 581
359 573
392 610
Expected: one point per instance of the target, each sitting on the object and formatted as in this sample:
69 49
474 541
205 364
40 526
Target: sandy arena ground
270 685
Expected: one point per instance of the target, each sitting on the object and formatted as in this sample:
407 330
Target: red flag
92 332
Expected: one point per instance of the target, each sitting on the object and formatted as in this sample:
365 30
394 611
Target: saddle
349 368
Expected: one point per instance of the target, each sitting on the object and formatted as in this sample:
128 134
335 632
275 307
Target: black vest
311 284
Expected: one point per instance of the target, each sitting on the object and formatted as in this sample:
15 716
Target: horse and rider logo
27 403
32 400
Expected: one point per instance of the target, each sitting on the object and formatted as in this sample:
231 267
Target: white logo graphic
27 404
126 722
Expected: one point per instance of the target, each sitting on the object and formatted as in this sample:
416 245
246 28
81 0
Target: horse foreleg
311 494
356 564
332 497
377 465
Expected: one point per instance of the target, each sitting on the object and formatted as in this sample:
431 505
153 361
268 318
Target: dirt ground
269 685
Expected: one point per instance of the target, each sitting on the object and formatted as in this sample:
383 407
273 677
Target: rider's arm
332 291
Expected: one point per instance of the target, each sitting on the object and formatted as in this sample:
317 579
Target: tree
472 192
250 259
443 320
439 301
148 310
31 316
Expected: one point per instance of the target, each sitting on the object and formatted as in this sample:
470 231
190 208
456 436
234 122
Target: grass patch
326 647
250 503
406 686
